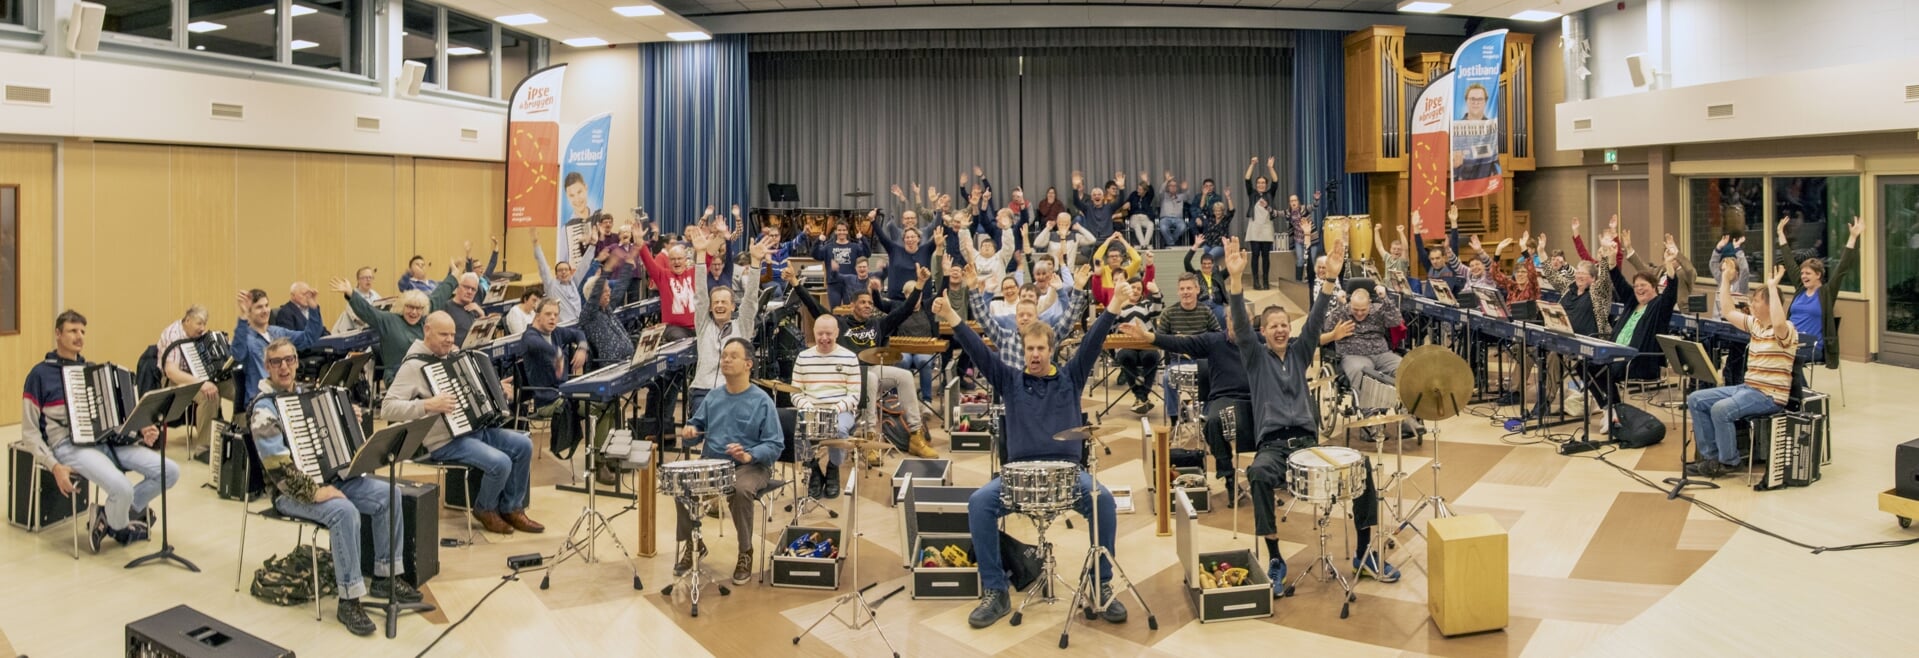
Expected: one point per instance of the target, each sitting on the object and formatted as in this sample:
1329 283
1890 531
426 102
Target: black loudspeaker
462 484
182 632
420 520
1905 470
34 500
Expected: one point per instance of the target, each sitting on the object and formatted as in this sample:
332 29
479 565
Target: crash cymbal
1434 383
1085 432
1378 421
778 386
880 356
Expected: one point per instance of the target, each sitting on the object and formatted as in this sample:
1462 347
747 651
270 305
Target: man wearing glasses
362 286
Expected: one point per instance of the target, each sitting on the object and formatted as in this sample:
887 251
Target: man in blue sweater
1097 208
742 427
1041 400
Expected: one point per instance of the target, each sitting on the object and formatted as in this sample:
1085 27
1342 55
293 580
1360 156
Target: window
327 35
420 38
141 18
241 28
517 59
1820 208
13 11
1733 208
469 59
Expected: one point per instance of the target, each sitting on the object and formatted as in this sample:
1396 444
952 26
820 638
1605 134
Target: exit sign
1612 156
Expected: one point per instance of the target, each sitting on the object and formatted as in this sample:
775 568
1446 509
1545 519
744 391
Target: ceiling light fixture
298 11
1424 6
464 50
203 27
638 10
1535 15
584 42
688 36
521 19
301 44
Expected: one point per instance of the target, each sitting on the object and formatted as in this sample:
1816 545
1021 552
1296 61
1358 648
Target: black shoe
1115 612
130 534
395 589
832 483
993 604
97 529
1142 407
815 483
1708 469
354 618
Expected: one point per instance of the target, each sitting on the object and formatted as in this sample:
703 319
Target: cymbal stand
695 508
1089 589
1431 499
851 543
583 539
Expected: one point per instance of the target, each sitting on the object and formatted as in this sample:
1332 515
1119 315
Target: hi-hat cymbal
880 356
1434 383
1086 432
778 386
857 194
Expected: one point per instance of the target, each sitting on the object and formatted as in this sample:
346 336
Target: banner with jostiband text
1430 168
583 187
1475 112
533 150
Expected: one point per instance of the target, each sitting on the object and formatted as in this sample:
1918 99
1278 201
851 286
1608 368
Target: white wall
124 102
1723 40
607 80
1614 34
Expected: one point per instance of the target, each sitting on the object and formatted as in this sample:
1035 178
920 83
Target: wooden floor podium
1466 588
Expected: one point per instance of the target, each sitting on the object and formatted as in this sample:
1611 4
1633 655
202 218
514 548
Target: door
1899 215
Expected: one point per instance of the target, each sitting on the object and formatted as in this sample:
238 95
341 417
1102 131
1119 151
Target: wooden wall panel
204 223
405 220
454 202
31 167
372 231
77 207
320 206
134 256
268 252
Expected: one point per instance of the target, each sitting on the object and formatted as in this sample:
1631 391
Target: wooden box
945 582
807 572
1466 588
1252 600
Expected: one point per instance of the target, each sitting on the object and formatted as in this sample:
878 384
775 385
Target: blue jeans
1713 413
341 516
922 364
1171 230
123 496
504 457
985 509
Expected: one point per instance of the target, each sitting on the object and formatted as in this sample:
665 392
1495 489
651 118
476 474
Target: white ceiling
570 19
704 7
1506 8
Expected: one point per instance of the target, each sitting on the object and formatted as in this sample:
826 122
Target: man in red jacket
674 280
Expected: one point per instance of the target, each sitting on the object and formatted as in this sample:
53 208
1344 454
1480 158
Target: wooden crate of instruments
951 572
818 567
1251 598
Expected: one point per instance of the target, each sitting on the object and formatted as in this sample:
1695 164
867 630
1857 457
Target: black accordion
100 396
321 432
479 401
209 357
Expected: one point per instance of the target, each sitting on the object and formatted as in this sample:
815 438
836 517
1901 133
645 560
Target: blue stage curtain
1319 122
695 141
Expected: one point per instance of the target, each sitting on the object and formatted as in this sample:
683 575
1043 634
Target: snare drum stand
593 523
694 507
850 541
1089 589
1322 518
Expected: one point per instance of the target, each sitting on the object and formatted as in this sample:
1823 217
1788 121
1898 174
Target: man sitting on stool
1768 385
741 426
1041 400
504 457
338 507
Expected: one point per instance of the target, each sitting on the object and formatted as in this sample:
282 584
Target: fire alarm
1620 6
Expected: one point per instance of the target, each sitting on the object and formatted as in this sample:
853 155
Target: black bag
1187 458
1634 428
1021 560
147 375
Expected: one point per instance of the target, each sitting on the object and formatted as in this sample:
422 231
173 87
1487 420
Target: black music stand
340 371
783 192
159 409
389 447
1690 360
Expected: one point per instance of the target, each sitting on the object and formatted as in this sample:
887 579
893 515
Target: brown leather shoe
520 522
492 522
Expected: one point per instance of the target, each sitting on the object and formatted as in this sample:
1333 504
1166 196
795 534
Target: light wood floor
1600 565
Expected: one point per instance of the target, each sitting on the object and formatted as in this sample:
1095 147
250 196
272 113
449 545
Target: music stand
1689 359
342 370
159 409
389 447
783 192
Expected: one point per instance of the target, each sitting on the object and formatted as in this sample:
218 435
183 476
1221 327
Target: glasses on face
416 307
282 361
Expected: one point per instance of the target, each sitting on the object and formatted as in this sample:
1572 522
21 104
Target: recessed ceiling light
638 10
584 42
688 36
521 19
463 50
301 44
202 27
1535 15
298 11
199 47
1424 6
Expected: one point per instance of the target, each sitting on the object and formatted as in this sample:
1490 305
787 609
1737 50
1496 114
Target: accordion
209 357
479 401
99 398
321 432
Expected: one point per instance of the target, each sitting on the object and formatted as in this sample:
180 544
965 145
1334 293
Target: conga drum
1337 229
1362 237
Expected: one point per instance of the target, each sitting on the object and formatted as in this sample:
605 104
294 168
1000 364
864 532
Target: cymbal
1434 383
852 442
778 386
1086 432
1378 421
880 356
857 194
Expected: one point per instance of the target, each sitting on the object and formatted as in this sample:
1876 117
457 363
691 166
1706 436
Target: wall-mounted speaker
412 75
1636 65
83 28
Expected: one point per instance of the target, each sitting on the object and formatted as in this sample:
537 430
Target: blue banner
1475 125
582 187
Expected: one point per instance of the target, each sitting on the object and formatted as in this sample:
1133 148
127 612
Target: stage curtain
1319 131
695 136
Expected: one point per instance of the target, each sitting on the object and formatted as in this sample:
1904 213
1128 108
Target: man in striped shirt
828 375
1768 385
1187 318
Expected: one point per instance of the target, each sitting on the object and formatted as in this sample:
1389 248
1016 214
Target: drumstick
1322 455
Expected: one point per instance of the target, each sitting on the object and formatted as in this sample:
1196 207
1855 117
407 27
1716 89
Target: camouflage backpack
287 580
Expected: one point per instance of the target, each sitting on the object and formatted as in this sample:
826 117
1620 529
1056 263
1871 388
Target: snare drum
817 424
1038 486
1185 378
696 478
1315 480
